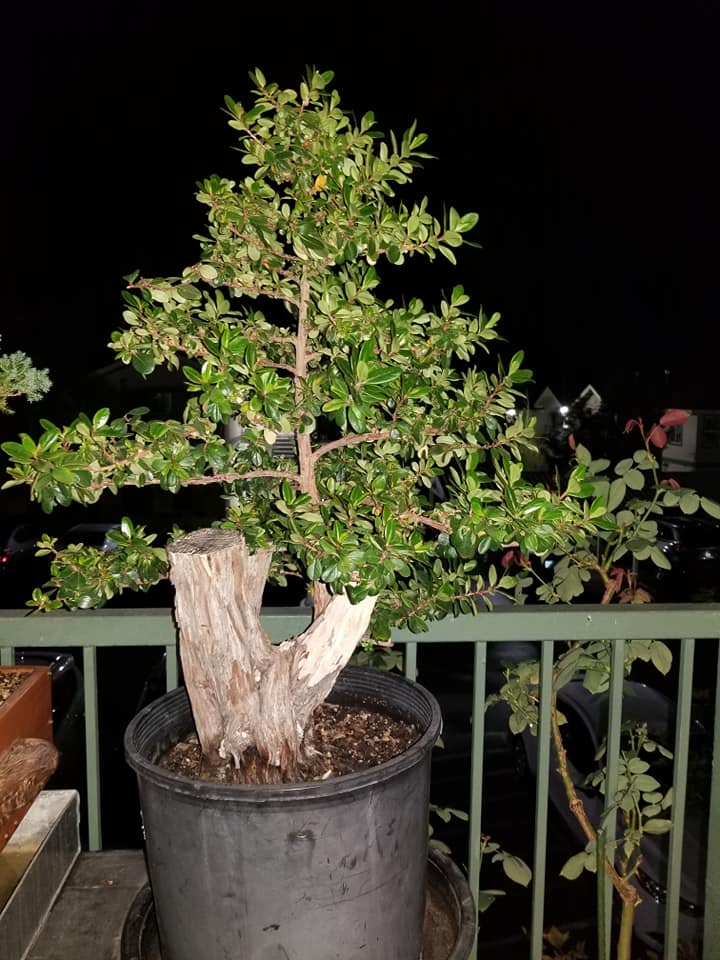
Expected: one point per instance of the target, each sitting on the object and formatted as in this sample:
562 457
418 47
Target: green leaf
16 451
583 456
623 466
634 479
101 418
379 376
645 783
517 723
207 271
467 222
144 362
661 657
574 866
63 475
711 507
486 898
616 494
188 292
517 870
659 558
452 239
448 254
657 826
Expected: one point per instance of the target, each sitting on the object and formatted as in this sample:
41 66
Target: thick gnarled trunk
246 694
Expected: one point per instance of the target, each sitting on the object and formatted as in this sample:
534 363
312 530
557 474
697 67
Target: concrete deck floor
87 919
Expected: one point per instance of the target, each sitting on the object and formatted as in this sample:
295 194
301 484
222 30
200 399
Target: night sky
586 136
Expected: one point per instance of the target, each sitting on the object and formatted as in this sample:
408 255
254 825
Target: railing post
612 756
712 877
171 667
410 660
92 747
542 788
476 774
677 811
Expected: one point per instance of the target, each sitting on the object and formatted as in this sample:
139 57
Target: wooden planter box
26 713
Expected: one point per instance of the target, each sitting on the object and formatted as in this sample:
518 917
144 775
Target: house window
675 436
710 432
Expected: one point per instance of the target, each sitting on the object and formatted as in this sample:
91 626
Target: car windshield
691 533
100 538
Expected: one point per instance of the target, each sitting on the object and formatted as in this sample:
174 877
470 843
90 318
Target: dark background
585 135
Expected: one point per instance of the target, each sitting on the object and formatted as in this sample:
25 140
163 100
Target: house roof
557 394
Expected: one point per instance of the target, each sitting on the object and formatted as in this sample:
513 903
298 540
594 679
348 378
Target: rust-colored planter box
27 712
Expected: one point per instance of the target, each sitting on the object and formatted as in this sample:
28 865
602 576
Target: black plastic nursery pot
449 928
328 870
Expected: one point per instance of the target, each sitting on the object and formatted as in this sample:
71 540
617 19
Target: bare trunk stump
252 701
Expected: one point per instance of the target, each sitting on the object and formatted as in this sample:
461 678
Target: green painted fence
690 624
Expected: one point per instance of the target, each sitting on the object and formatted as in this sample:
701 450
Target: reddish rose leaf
571 441
674 418
657 436
670 482
630 424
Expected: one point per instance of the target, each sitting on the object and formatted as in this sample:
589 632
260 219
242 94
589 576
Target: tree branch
350 441
261 292
234 477
107 482
277 366
625 889
421 520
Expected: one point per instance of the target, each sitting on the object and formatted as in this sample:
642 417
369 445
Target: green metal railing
689 624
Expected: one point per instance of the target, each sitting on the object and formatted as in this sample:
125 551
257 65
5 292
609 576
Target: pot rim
244 793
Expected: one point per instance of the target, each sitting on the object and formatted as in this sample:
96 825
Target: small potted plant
27 757
281 327
25 698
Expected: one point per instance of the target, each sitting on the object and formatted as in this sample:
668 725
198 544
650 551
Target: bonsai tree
281 326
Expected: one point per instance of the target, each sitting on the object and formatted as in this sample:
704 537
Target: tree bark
252 702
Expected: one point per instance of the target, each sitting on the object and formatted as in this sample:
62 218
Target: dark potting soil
9 682
345 740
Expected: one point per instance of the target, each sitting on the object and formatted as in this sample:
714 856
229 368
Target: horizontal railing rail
688 624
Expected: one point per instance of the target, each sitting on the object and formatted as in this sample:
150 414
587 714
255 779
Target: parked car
68 713
18 539
692 545
96 535
23 571
587 716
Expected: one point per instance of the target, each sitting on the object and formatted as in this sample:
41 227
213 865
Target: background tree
19 378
